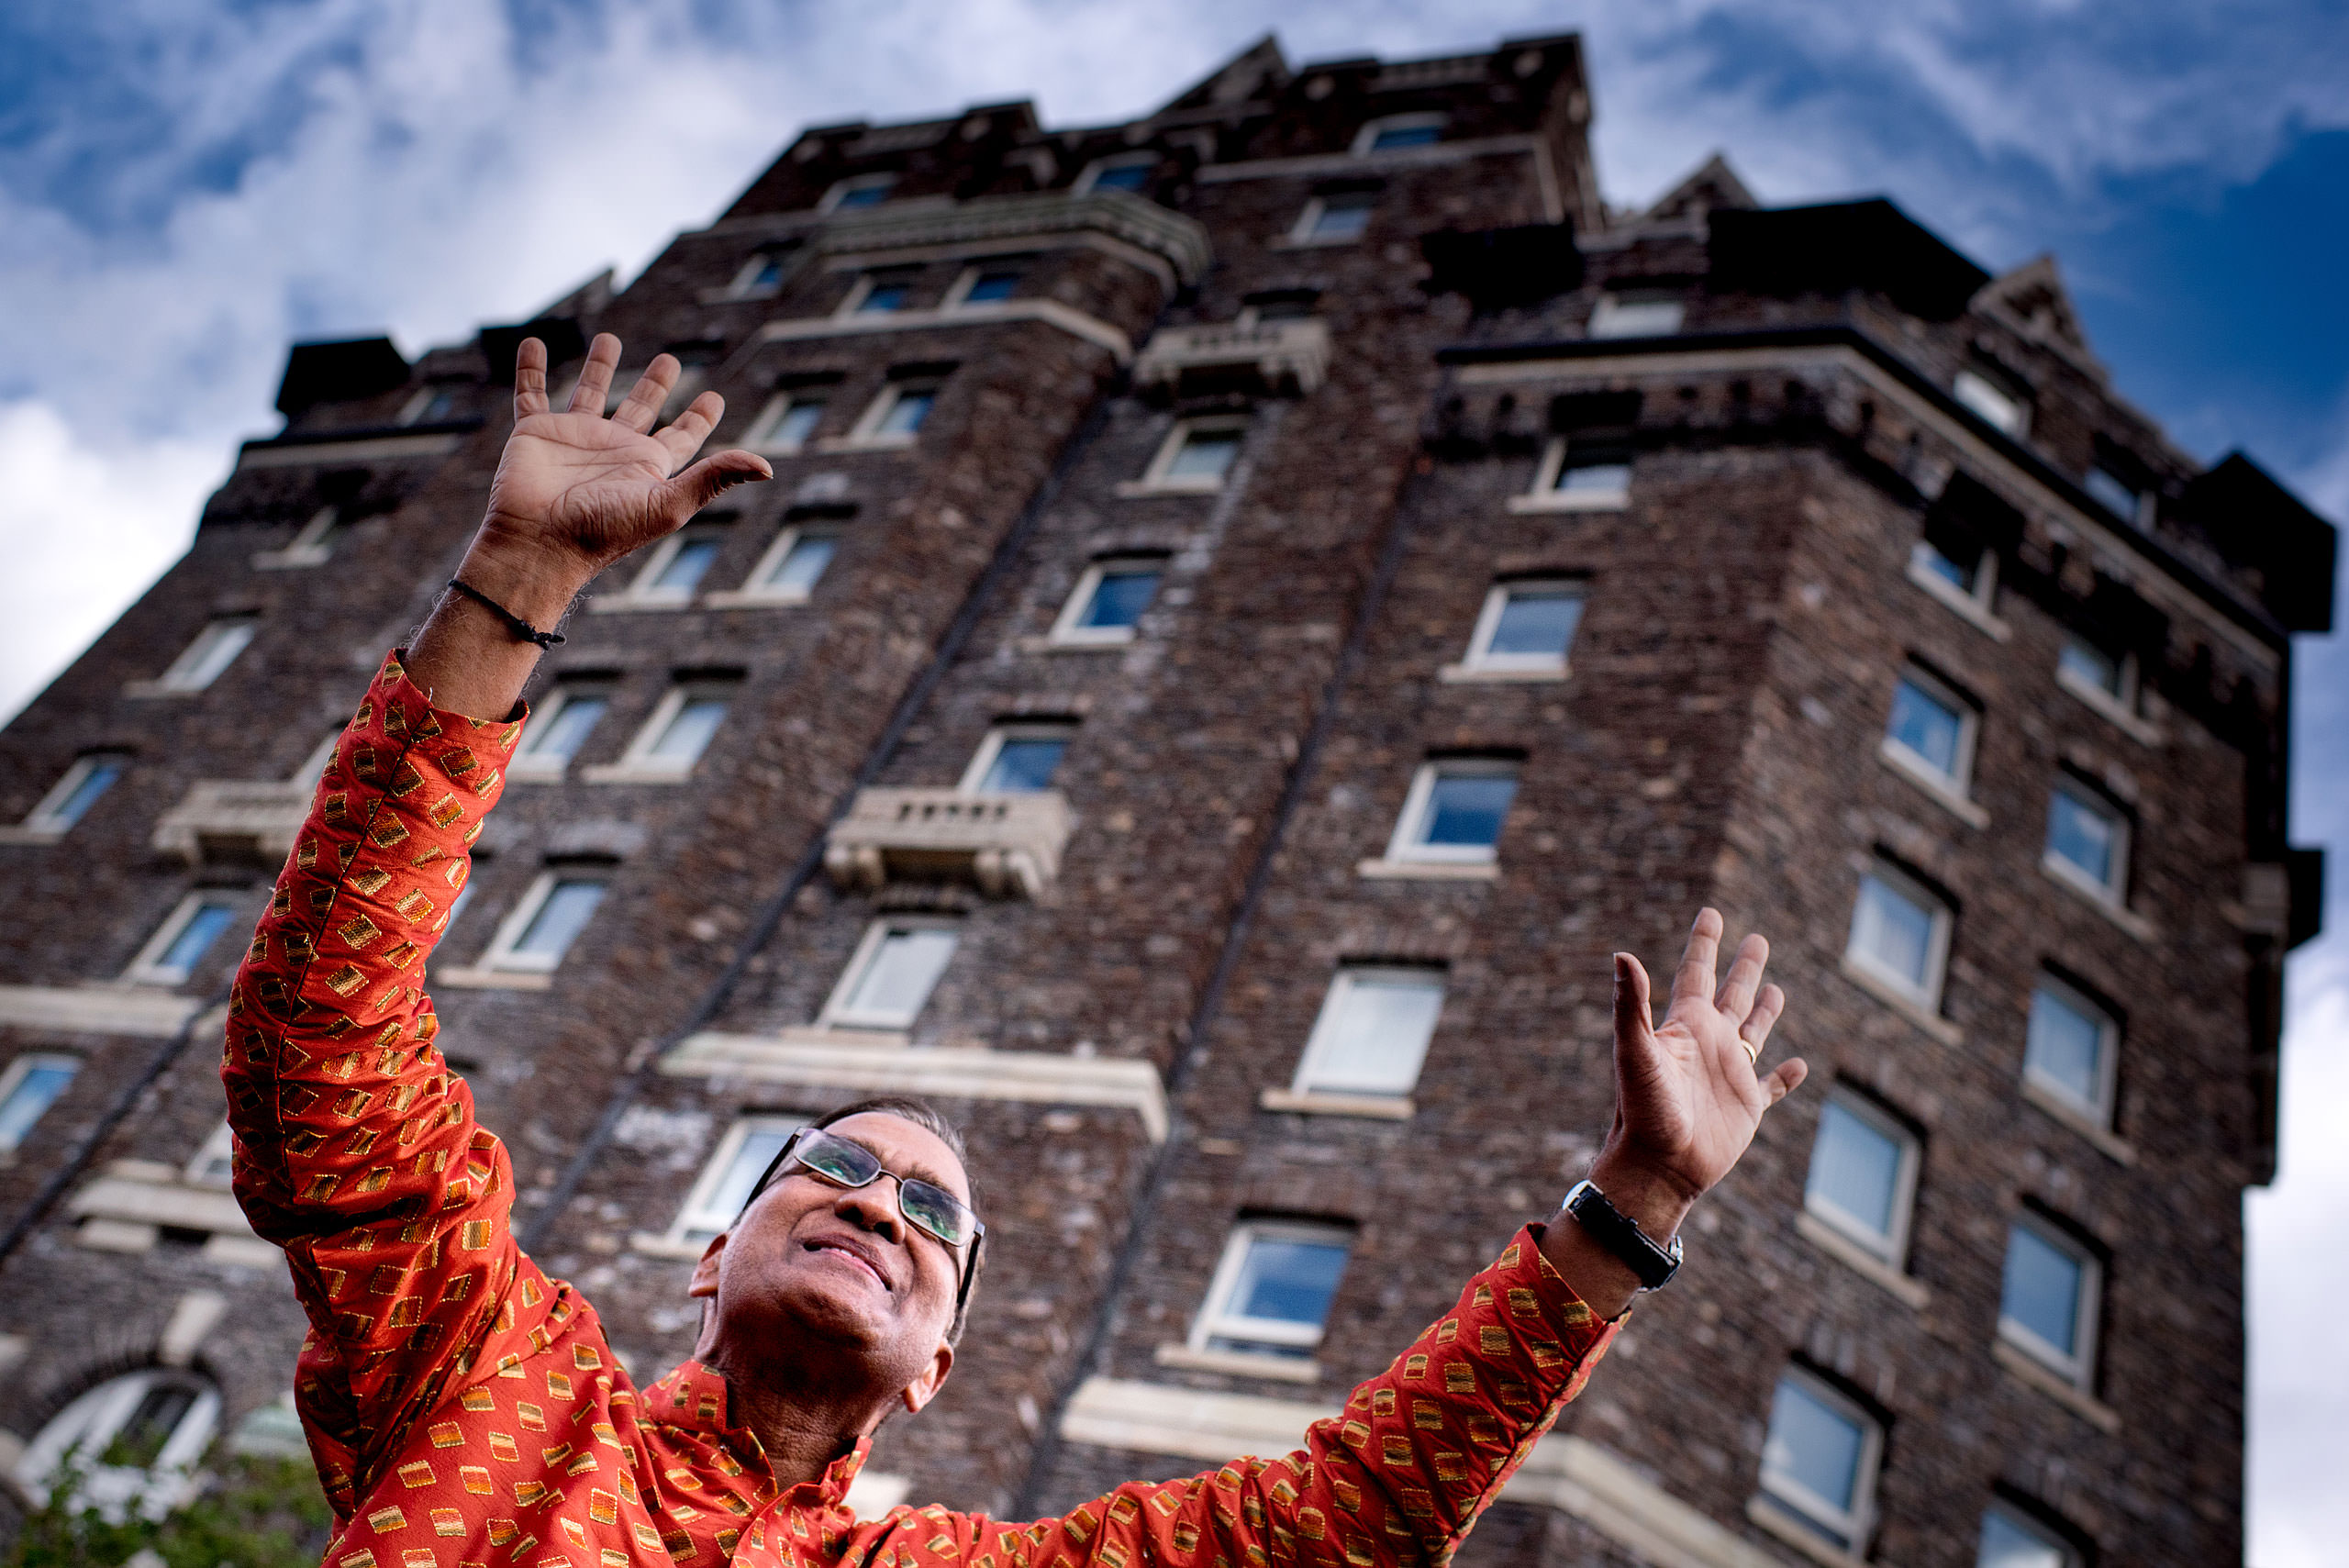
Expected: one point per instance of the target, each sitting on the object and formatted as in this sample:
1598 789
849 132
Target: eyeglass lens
923 1203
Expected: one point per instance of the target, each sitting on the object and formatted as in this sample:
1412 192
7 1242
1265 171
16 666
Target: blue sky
185 185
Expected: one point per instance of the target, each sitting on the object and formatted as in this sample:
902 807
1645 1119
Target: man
463 1408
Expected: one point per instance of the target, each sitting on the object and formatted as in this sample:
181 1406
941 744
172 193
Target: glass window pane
2042 1289
1119 598
2083 833
2114 493
1958 573
1894 930
1927 725
1536 623
36 1090
139 1442
1288 1281
2066 1046
1620 318
683 569
1376 1035
1204 454
798 422
903 969
2007 1542
993 285
561 736
95 780
560 919
1023 764
1855 1168
214 652
1994 403
1341 220
2087 663
906 413
725 1197
195 939
1814 1444
1393 135
881 298
801 565
689 732
1466 809
870 195
1122 177
1592 478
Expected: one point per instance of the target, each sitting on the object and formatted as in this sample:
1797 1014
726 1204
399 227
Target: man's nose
869 1208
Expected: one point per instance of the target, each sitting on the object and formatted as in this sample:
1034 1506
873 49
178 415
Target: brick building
1256 604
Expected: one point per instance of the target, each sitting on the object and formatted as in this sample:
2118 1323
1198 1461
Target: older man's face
841 1266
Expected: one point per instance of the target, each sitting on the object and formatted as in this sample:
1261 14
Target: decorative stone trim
126 1208
1180 241
1008 845
96 1009
467 978
1778 1522
1239 1364
227 818
378 449
849 1059
1381 868
1284 355
1480 675
1384 1108
1050 312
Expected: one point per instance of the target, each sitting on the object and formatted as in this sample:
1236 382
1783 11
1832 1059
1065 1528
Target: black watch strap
1622 1235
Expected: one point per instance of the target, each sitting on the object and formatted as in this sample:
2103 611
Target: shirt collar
695 1397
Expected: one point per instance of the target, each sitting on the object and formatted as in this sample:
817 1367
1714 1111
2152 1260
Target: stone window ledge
1480 675
1900 1002
26 833
1429 870
133 1202
157 689
617 604
633 773
1773 1519
2110 709
1132 489
1937 786
467 978
2079 1121
1572 501
1239 1364
750 599
1968 608
1862 1261
2023 1368
1309 1102
2098 898
654 1244
97 1009
866 443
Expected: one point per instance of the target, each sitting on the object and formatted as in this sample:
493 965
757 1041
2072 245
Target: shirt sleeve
1399 1478
357 1151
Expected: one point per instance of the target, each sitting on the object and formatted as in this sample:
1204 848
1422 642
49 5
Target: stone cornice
1180 241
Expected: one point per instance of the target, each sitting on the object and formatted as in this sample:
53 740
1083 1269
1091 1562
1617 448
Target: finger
1766 1009
529 379
595 375
1634 1022
1693 980
642 405
708 480
1785 1078
684 434
1736 996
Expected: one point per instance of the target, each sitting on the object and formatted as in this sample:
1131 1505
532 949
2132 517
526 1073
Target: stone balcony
1008 845
1290 356
228 819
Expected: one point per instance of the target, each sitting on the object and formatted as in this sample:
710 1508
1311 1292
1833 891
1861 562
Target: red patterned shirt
464 1409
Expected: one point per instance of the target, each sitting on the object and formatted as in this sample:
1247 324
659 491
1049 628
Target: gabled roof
2032 300
1712 184
1256 72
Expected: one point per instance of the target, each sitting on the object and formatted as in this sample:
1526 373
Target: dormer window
2121 497
1395 132
1996 400
1131 173
430 405
859 190
1638 312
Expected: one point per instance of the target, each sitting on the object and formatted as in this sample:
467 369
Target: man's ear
924 1389
705 1280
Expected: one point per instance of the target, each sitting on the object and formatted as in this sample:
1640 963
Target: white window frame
991 746
1066 630
1322 1040
147 968
2142 500
1851 1529
638 764
2077 1368
42 819
183 676
1480 658
862 290
1959 780
1400 844
745 282
1891 1250
867 429
1366 135
2114 889
837 1012
503 955
1614 303
2119 706
645 592
1214 1322
694 1214
22 1067
1309 218
312 544
2107 1052
958 292
1929 996
529 764
1091 174
1976 605
95 1418
1545 495
2022 1524
841 190
219 1145
756 590
1155 480
412 411
1998 404
760 437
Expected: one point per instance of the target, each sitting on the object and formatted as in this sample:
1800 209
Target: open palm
1687 1096
594 488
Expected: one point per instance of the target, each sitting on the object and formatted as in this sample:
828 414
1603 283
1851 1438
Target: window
28 1086
2073 1048
312 544
1996 403
557 730
2119 496
1819 1461
1272 1290
1398 131
1454 812
2102 675
215 1163
1108 601
1900 934
1932 729
2047 1307
761 276
186 934
1372 1035
793 566
988 283
1638 312
135 1440
1128 174
2010 1539
784 424
1018 759
1333 221
1863 1174
681 728
1573 477
214 650
879 294
676 567
1195 455
1526 628
1963 575
742 1156
860 191
313 767
70 798
549 920
430 405
896 416
892 974
2087 841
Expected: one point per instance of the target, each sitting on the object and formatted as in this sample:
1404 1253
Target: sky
188 185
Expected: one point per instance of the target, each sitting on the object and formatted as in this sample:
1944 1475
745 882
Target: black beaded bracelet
523 630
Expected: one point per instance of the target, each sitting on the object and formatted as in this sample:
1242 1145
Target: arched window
134 1441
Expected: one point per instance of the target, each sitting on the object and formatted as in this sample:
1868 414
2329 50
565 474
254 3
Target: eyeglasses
926 1205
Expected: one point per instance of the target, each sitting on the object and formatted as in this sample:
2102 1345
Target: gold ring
1752 1052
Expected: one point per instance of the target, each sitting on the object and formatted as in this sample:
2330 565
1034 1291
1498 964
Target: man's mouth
853 1255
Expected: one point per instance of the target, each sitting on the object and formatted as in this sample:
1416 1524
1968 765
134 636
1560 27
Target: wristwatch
1622 1235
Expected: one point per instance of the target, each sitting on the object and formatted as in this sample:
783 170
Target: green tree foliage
254 1511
